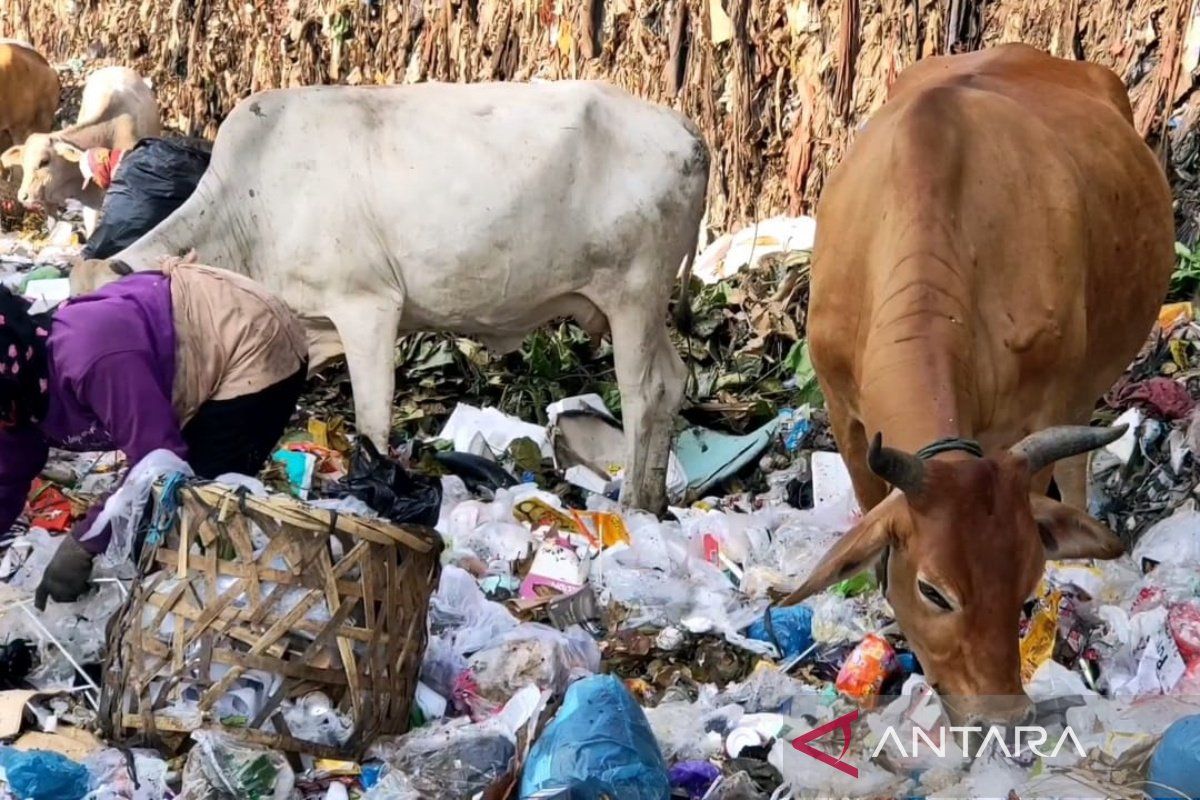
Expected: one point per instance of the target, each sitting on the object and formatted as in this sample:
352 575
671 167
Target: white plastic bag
1174 540
461 621
111 778
125 508
533 654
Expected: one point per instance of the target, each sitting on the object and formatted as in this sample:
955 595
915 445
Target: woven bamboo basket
240 586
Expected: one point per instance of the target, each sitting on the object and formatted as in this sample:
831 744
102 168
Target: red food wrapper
866 669
1148 599
1189 684
1183 619
48 508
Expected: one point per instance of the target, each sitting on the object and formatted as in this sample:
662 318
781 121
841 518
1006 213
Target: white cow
482 209
116 109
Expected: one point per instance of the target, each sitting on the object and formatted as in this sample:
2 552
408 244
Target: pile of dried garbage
580 649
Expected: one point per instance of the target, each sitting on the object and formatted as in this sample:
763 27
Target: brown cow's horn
1043 448
905 472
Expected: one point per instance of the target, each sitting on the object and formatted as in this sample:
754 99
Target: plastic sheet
1175 766
461 621
769 690
454 761
314 718
486 530
221 768
693 731
789 629
600 742
124 510
40 775
661 580
112 779
1172 540
797 541
839 620
530 654
1122 732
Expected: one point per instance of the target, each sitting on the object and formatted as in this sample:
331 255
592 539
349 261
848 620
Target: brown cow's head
966 544
50 173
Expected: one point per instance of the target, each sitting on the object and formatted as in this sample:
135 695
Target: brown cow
29 91
989 258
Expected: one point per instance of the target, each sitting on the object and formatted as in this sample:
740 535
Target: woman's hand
68 575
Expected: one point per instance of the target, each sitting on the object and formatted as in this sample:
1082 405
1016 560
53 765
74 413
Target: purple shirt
111 360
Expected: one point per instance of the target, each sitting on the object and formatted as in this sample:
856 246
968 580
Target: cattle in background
116 110
29 92
483 209
989 258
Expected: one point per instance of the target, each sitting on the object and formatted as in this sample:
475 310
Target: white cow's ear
853 553
68 151
13 156
1070 533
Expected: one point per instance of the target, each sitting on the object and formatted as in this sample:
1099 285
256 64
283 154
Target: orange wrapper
601 529
1172 313
866 669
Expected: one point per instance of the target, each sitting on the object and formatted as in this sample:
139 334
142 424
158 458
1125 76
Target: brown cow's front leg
1071 476
851 438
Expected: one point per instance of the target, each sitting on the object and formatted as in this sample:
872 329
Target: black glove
68 575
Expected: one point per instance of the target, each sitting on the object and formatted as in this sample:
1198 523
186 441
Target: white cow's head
50 173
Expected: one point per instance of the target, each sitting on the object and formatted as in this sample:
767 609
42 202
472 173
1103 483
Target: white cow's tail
683 309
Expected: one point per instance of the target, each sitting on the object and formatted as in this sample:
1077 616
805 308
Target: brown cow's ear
853 553
1070 533
12 156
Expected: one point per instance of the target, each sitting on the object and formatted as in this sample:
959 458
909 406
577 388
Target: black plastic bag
391 490
152 180
476 472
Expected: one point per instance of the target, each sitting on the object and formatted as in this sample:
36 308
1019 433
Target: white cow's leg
368 333
651 377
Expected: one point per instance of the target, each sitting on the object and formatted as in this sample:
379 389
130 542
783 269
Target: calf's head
90 275
50 173
964 546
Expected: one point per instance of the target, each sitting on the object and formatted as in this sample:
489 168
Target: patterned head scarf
24 370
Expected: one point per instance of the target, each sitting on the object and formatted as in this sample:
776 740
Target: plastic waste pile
579 649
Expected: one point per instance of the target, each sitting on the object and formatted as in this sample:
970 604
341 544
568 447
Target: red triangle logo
843 724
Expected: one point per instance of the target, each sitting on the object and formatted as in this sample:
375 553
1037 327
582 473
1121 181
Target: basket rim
419 538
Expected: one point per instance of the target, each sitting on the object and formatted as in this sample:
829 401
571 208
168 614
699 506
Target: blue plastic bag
791 628
1175 767
42 775
599 746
